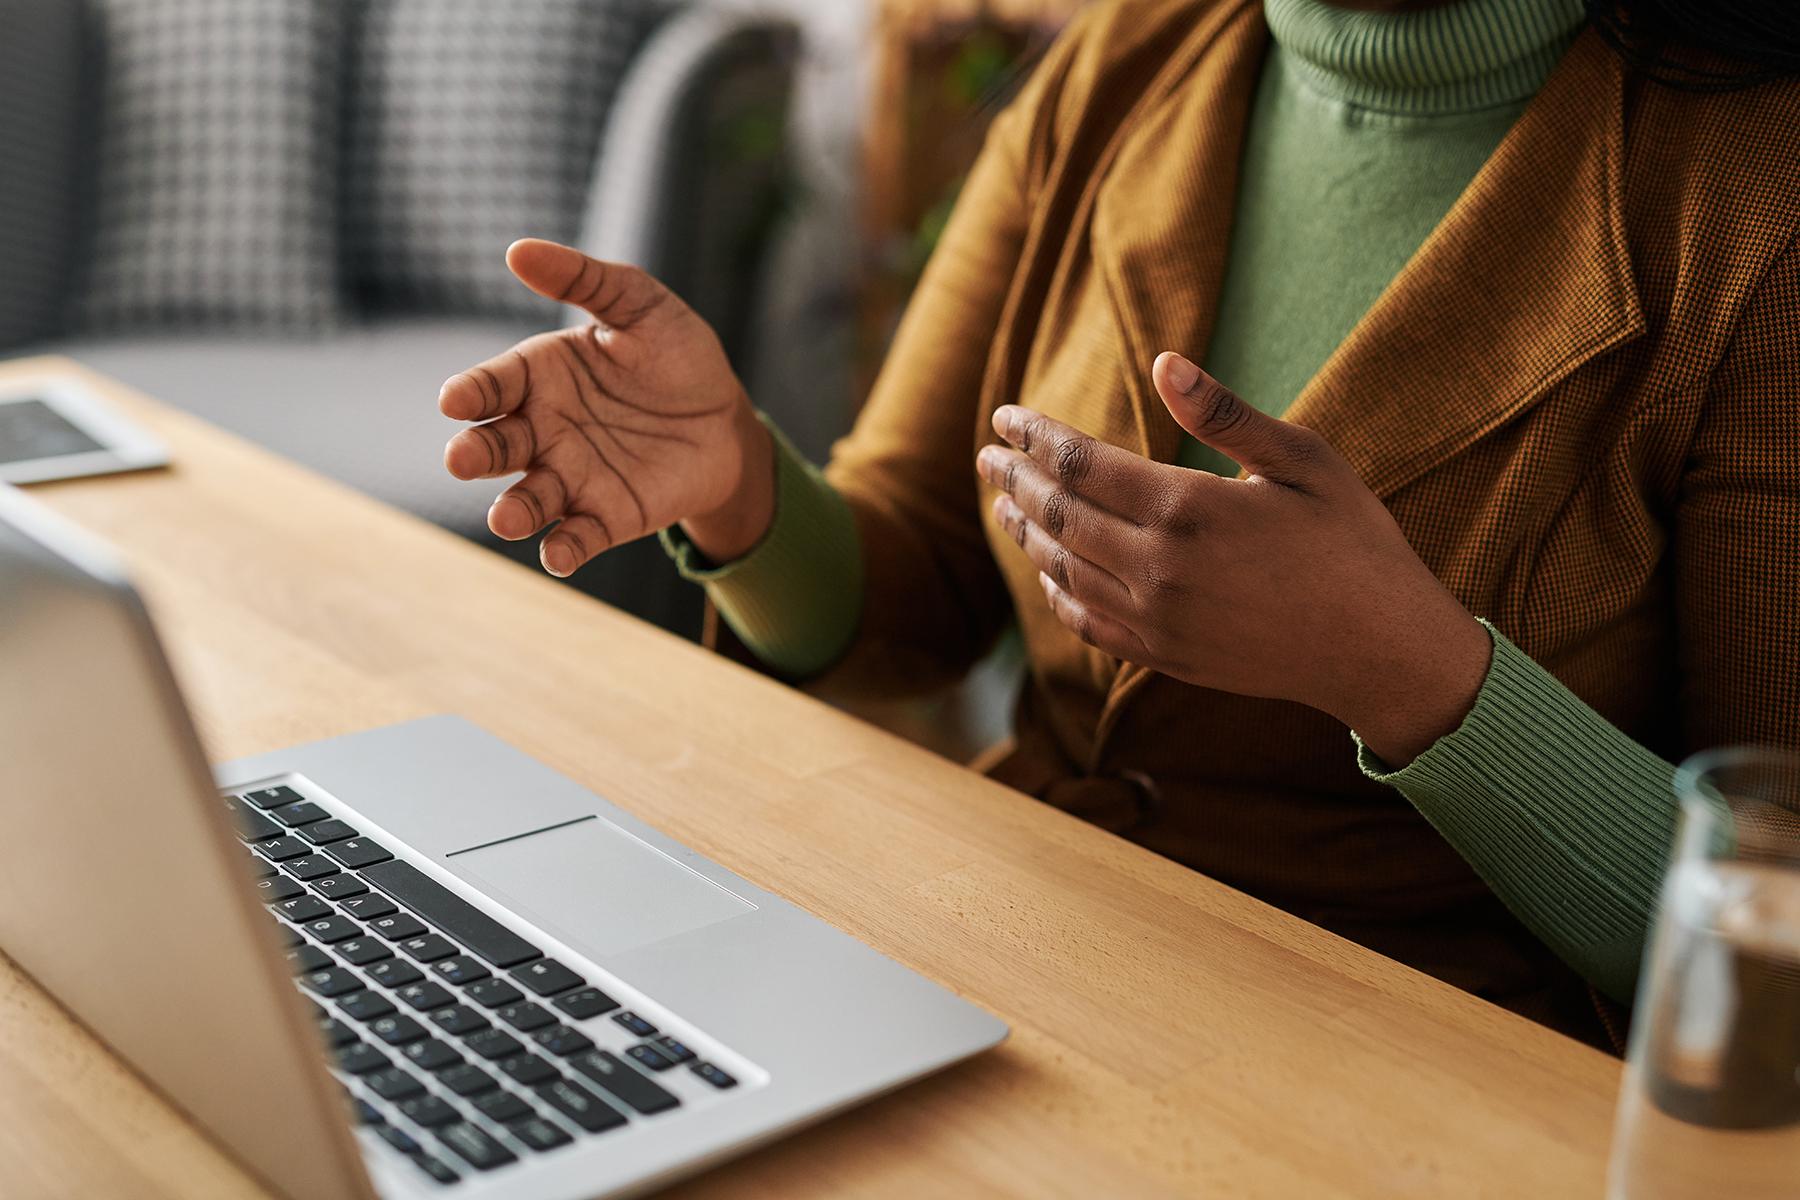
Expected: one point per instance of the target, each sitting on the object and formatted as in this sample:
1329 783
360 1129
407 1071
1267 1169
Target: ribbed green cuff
795 598
1567 819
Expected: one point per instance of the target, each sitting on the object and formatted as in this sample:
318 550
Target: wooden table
1171 1037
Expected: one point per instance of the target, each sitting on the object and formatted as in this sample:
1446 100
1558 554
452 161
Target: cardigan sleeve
1568 819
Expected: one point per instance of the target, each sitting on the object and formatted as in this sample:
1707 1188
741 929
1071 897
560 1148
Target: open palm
622 426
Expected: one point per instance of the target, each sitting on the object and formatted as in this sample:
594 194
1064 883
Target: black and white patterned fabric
471 123
216 165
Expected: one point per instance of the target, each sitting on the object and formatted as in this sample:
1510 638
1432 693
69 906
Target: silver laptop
409 962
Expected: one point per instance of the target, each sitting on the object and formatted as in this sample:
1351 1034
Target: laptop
408 962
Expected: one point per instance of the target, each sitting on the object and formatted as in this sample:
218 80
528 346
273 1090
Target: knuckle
1061 567
1074 459
1220 409
1057 509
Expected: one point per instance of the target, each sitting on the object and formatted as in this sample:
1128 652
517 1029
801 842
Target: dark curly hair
1744 42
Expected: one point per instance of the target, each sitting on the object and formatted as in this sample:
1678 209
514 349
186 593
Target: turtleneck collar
1463 57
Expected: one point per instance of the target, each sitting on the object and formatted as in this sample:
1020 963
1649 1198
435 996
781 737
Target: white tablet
54 428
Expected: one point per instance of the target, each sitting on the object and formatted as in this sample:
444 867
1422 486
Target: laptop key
391 1083
277 887
399 1139
311 867
340 887
436 1168
323 833
359 1058
288 936
398 926
366 908
539 1134
303 813
635 1023
428 948
649 1056
428 1111
308 958
459 1020
547 977
430 1055
252 826
333 929
460 969
527 1069
673 1050
367 1006
581 1106
585 1002
562 1041
718 1078
302 907
503 1107
273 797
485 937
467 1080
525 1016
492 993
261 868
366 1113
280 849
425 996
332 981
633 1087
362 951
397 1030
492 1043
474 1146
394 973
336 1033
359 852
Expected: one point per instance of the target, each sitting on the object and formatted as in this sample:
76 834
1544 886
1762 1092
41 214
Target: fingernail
1182 373
557 561
1004 418
1048 584
988 461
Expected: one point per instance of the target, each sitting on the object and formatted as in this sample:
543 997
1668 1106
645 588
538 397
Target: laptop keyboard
455 1038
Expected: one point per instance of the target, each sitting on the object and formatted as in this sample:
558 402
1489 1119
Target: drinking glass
1710 1105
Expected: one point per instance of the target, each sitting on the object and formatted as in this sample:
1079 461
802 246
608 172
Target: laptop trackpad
595 886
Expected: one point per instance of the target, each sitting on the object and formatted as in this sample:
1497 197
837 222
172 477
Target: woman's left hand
1294 583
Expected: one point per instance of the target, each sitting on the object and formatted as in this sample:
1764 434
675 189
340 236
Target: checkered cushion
215 165
472 123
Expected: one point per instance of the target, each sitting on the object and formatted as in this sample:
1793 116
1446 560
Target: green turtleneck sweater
1366 127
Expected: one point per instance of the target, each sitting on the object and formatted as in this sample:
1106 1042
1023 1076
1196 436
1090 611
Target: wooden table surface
1171 1037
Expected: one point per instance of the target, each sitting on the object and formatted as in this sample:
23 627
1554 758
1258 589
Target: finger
1070 518
528 506
573 543
1069 570
503 447
491 389
614 294
1101 630
1114 478
1214 414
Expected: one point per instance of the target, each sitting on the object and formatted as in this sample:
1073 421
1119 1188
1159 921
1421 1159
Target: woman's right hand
626 425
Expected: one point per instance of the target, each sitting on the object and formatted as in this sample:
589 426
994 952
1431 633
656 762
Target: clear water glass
1710 1105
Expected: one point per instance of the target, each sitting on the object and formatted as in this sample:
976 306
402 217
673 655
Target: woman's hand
1294 583
622 427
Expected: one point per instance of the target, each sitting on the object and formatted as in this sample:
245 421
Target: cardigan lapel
1527 277
1162 219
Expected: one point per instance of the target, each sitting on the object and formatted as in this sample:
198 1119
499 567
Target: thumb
614 294
1215 415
